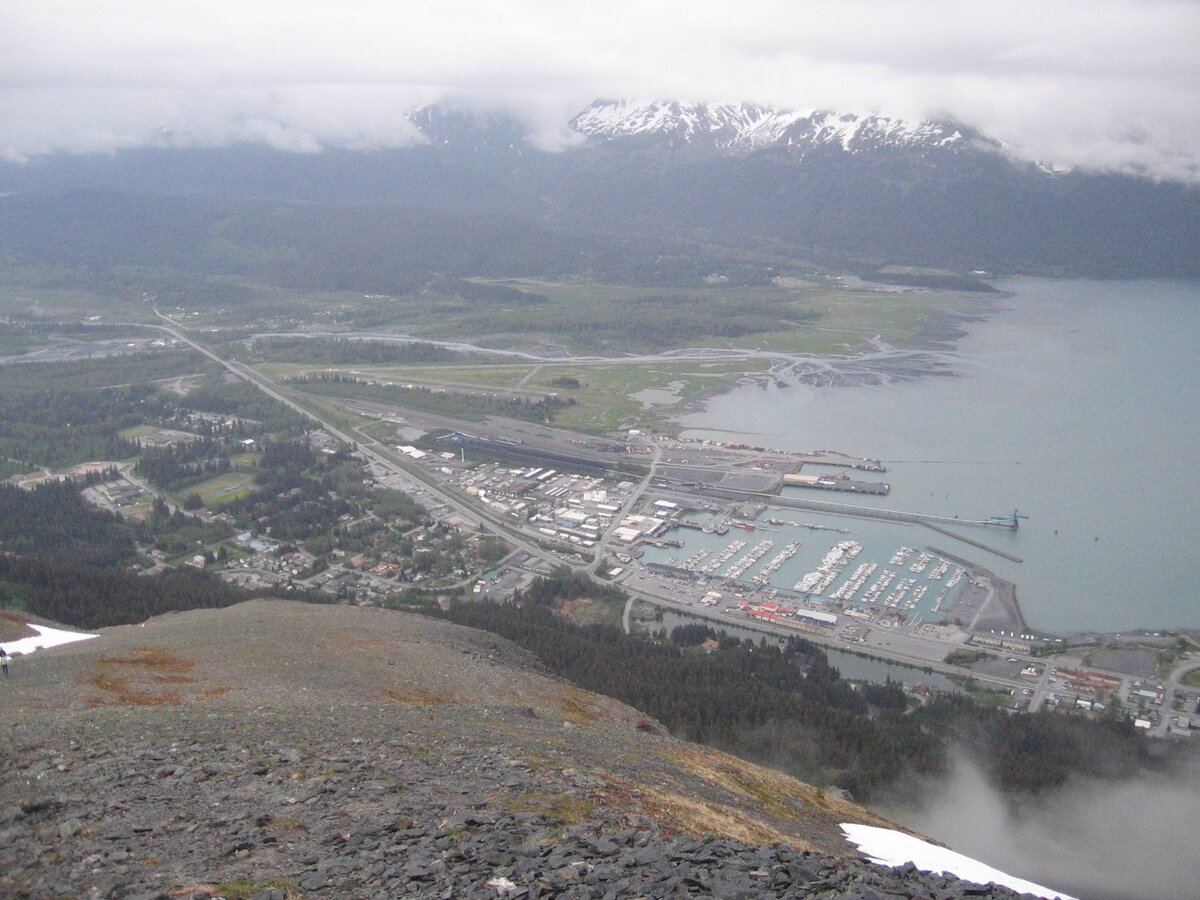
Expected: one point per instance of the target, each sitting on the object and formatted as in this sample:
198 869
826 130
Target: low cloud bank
1106 84
1095 839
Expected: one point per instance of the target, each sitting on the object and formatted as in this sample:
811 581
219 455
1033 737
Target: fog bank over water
1077 403
1094 839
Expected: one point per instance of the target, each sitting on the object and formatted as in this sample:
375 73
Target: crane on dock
1010 519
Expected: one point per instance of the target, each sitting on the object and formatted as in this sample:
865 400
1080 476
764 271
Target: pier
841 460
973 543
836 483
868 512
841 509
662 544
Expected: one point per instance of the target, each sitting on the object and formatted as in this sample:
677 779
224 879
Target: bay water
1076 402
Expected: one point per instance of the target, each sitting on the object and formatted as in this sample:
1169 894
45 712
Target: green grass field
795 315
604 401
225 488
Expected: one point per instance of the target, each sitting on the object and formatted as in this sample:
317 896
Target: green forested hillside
788 708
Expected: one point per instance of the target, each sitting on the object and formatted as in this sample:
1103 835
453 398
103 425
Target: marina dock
866 512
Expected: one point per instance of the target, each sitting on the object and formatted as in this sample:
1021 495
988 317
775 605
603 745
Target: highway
379 454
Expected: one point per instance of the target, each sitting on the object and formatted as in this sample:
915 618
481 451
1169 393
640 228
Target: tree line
53 520
88 596
183 464
785 706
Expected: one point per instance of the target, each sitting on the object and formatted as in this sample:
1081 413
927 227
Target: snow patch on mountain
745 127
725 124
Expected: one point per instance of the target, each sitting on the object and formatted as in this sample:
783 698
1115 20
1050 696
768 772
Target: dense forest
63 559
203 251
183 464
246 403
1040 751
54 521
86 596
786 707
61 414
782 706
19 334
52 425
645 212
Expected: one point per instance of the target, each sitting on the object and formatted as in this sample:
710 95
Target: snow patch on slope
45 638
893 848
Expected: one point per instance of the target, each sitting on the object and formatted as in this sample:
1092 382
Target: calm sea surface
1077 402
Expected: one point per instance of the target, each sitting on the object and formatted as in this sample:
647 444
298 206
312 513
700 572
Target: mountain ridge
297 750
749 127
850 191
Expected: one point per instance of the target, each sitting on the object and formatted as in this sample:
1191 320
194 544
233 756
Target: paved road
370 449
129 475
1172 685
630 504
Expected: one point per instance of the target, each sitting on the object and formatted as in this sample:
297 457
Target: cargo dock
840 482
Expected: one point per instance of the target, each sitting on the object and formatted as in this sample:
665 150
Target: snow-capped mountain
741 126
747 127
836 186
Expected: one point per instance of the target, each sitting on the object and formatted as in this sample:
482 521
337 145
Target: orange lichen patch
679 814
119 692
579 708
116 678
696 817
152 658
619 795
418 696
173 678
776 794
218 691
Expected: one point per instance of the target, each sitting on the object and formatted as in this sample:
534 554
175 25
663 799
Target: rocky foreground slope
277 750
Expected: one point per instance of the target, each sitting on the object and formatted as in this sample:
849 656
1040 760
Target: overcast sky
1097 83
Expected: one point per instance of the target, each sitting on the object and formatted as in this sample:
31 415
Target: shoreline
1001 593
940 335
944 334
